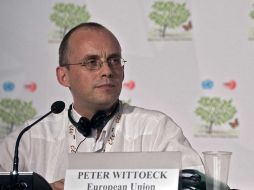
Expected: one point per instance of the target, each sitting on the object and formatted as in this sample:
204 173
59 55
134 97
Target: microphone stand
16 151
15 184
16 180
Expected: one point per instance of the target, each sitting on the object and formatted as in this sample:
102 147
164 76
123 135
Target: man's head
89 64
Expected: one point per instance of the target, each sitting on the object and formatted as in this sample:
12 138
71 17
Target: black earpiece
99 120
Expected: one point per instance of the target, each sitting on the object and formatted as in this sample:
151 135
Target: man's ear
62 76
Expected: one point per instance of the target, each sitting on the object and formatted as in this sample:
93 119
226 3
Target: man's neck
89 112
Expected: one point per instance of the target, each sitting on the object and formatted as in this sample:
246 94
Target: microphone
56 107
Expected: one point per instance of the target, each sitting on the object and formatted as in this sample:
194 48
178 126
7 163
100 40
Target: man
92 67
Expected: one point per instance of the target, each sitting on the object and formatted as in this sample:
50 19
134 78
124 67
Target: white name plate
122 179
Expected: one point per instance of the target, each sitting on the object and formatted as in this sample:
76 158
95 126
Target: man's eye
91 62
114 61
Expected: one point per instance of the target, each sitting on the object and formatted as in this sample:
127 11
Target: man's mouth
105 85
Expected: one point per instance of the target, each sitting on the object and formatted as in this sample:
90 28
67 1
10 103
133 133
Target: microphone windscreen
57 107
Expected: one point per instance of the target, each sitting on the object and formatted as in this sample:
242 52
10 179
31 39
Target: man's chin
106 103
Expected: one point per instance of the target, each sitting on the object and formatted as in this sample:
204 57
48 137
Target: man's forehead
92 35
93 43
93 39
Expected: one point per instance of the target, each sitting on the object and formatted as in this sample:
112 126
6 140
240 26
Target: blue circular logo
207 84
8 86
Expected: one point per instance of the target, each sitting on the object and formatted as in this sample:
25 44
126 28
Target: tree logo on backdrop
65 16
218 115
14 112
214 111
171 21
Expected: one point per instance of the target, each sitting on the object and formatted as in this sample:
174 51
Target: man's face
93 89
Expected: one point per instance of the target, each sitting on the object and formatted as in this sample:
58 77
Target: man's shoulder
147 121
51 119
50 125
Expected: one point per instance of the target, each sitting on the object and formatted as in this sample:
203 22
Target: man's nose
105 69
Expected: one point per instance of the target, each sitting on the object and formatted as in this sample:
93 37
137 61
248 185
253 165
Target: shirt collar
75 115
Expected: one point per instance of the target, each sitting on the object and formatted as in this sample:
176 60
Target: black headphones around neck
99 120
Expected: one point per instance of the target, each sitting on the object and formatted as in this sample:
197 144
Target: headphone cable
79 145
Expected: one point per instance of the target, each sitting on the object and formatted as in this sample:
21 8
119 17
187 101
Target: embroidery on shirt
112 133
72 139
73 149
72 131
